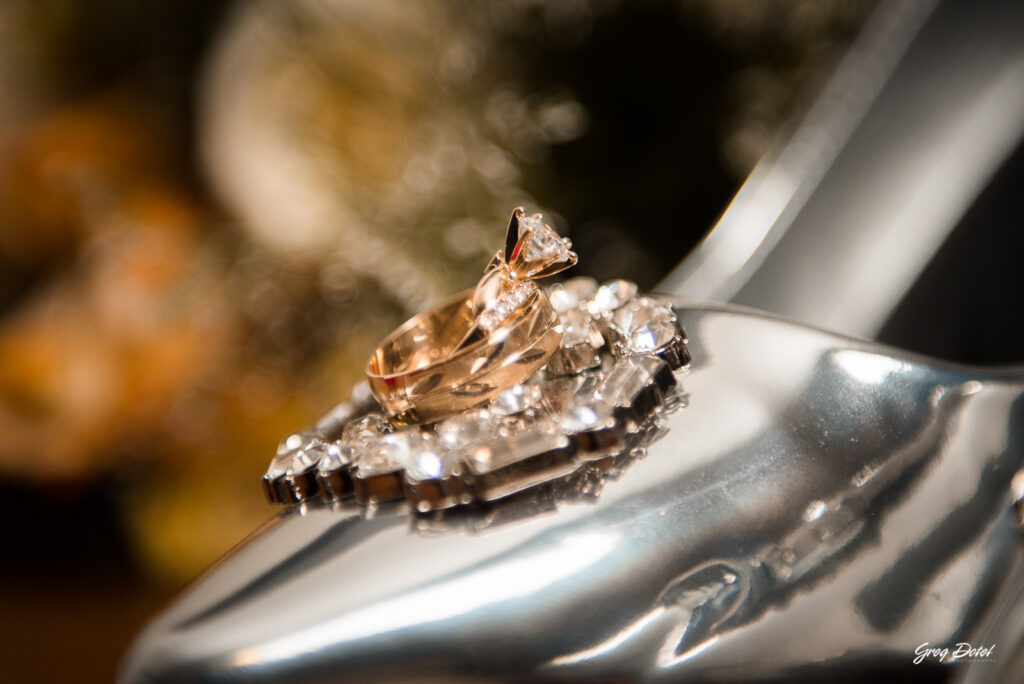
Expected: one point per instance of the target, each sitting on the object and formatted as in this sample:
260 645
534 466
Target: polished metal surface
820 508
837 222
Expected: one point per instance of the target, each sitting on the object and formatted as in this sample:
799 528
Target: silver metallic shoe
821 506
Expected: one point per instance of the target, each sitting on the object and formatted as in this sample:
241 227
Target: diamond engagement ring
498 390
471 347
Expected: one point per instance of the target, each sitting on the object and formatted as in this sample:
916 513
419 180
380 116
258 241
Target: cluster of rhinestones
595 402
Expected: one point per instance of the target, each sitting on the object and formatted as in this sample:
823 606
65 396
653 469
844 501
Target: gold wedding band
417 382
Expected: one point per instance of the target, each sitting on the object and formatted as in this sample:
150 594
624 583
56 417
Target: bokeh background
210 213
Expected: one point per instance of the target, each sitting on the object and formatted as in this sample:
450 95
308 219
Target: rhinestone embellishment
600 395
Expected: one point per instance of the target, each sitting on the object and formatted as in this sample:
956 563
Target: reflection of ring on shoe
467 349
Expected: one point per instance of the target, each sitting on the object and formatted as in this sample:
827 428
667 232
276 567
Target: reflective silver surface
836 223
821 507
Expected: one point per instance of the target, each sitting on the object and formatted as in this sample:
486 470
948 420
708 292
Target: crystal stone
377 462
543 245
646 325
587 415
365 431
293 442
421 455
516 399
627 378
430 462
279 465
577 328
586 385
570 294
336 456
466 429
290 447
611 296
652 337
386 456
502 452
308 456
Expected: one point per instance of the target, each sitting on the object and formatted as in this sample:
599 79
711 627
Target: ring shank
423 339
419 374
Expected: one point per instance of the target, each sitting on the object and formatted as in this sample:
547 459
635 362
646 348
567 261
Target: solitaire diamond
543 245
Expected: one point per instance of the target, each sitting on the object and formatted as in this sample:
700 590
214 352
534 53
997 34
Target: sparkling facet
499 309
577 328
587 415
293 441
289 448
521 293
646 325
504 451
365 431
378 461
489 320
584 386
336 457
465 429
516 399
611 296
420 454
543 243
570 294
387 455
431 461
627 378
307 456
639 312
651 337
279 465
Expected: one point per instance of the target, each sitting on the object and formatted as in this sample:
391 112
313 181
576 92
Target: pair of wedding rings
466 350
497 390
